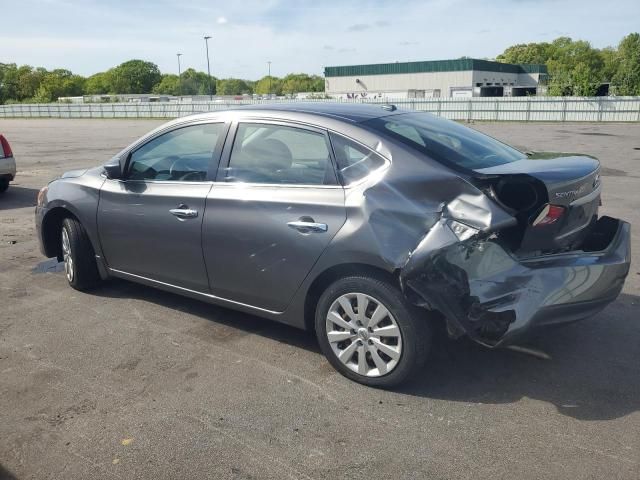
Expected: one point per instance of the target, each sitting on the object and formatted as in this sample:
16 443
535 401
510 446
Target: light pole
206 43
269 63
179 74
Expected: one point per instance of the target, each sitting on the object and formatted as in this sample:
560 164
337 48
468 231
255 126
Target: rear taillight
6 148
550 214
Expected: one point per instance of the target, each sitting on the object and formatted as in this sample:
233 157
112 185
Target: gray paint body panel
251 254
139 235
240 252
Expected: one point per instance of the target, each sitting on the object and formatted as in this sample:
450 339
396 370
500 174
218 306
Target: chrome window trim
228 184
275 185
168 182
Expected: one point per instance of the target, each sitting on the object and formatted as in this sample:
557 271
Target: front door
150 222
271 213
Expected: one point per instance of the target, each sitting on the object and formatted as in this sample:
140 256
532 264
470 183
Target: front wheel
370 333
78 256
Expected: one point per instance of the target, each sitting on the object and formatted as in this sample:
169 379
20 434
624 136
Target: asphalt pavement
130 382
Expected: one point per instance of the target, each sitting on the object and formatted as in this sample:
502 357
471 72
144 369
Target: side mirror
113 170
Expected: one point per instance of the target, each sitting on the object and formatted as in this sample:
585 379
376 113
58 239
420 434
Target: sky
89 36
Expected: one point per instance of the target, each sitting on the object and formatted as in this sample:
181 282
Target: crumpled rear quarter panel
488 294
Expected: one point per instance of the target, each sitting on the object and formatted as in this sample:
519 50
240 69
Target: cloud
358 27
361 27
369 31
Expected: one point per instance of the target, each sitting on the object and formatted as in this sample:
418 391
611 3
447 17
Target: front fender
77 196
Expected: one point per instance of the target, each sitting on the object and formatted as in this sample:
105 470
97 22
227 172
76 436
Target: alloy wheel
363 334
66 255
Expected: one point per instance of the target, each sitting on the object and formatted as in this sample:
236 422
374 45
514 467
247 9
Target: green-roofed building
464 77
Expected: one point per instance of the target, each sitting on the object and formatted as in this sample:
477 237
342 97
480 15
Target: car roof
351 112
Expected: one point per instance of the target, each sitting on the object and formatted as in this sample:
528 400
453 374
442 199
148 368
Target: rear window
447 141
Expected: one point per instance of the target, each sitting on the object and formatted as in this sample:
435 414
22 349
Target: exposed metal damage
487 293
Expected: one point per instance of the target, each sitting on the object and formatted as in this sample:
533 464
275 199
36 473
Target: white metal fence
545 109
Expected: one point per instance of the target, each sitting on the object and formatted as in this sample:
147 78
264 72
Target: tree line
576 68
26 84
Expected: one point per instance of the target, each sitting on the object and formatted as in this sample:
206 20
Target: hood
74 173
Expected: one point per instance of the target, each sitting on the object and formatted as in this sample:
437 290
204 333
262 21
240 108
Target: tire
4 185
409 347
79 258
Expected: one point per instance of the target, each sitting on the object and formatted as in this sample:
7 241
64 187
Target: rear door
150 222
272 211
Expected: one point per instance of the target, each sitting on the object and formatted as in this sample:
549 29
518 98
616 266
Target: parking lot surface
130 382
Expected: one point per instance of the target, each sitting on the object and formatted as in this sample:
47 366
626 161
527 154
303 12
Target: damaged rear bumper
487 293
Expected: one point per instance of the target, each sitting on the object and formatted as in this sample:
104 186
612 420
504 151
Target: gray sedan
364 224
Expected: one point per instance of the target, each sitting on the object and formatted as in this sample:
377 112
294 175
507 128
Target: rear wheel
78 256
370 333
4 185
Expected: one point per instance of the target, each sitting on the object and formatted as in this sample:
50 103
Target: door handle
308 227
183 212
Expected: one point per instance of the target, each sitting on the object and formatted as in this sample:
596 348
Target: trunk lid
534 187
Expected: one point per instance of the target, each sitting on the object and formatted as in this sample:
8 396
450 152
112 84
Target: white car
7 164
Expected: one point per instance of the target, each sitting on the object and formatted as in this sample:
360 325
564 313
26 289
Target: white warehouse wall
495 78
397 85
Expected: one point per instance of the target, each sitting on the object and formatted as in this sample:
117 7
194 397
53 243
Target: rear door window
280 154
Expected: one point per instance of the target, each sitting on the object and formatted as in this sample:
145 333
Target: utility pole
179 74
269 64
206 42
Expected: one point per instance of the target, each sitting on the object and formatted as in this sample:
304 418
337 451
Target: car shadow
592 371
18 197
249 324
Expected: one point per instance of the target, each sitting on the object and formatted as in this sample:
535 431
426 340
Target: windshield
447 141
